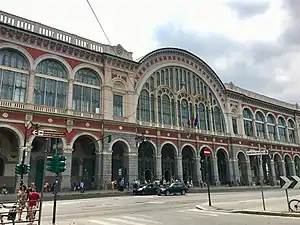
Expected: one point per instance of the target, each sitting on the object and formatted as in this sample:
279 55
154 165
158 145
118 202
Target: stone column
98 171
236 174
66 176
133 167
215 176
198 180
158 170
106 161
283 168
70 95
261 171
231 171
292 168
273 173
249 173
30 99
179 168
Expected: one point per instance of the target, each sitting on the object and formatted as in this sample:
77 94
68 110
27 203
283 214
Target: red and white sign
207 152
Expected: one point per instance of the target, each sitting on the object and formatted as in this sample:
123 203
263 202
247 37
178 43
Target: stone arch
288 164
223 165
222 149
270 113
277 154
278 165
292 119
17 48
170 143
207 175
87 66
260 111
120 140
296 160
247 107
202 148
119 85
280 116
15 131
57 58
92 136
242 152
295 156
119 149
192 147
146 161
242 168
32 137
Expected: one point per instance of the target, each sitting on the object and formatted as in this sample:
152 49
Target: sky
253 43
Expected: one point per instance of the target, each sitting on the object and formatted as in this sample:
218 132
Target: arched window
86 91
218 119
291 131
248 128
166 106
185 113
281 129
14 75
260 124
202 117
271 127
51 84
144 106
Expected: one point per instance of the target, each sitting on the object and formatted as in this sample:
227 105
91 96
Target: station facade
162 112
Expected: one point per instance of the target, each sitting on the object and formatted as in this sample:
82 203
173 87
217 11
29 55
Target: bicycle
10 215
294 205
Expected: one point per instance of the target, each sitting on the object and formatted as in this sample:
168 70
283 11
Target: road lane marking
155 202
140 219
120 221
100 222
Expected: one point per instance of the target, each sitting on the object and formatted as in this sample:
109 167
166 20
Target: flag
188 121
193 117
196 120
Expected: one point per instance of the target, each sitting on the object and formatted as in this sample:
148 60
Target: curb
267 213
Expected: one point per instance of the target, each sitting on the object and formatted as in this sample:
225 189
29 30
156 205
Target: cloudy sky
253 43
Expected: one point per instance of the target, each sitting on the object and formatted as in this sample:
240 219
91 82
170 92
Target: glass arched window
291 131
202 116
14 75
51 84
260 124
86 91
281 129
185 113
248 128
217 119
166 106
144 106
271 127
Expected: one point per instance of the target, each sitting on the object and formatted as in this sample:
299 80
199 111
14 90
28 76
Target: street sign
260 152
49 133
207 152
292 182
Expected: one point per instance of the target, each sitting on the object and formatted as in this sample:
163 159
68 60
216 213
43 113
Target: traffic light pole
207 180
54 201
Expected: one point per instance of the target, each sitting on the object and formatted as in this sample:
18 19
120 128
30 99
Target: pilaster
198 180
179 167
158 167
215 177
66 176
133 167
273 173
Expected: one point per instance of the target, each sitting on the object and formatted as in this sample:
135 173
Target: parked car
148 189
174 188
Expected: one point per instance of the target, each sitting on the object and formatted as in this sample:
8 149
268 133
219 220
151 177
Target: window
234 126
248 128
202 117
217 119
166 106
271 127
86 91
51 84
118 105
14 73
291 131
185 113
281 129
260 124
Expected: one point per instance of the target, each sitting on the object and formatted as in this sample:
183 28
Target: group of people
27 198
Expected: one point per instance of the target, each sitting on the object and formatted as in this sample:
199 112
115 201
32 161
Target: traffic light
50 164
27 169
109 138
60 164
19 169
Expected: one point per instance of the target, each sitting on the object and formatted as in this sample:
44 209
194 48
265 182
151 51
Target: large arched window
271 127
177 96
248 128
14 75
291 131
51 84
86 91
260 124
281 129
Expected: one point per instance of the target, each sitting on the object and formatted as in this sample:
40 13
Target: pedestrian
33 204
21 200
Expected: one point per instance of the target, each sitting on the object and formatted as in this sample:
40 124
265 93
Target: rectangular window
234 126
118 105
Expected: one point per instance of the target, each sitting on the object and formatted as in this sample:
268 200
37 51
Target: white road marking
120 221
155 202
140 219
100 222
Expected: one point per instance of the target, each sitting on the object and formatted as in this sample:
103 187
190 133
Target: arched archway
188 164
254 165
288 165
242 164
119 166
146 164
84 161
9 149
223 169
278 166
206 169
297 165
266 166
168 153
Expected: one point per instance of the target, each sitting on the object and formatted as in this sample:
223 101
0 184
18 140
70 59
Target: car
174 188
148 189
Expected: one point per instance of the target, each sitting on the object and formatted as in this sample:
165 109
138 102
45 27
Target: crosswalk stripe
120 221
100 222
140 219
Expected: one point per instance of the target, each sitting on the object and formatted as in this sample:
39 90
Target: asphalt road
155 210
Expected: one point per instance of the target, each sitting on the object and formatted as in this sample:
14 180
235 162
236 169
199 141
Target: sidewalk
275 206
114 193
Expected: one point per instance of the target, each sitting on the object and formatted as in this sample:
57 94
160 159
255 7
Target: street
144 210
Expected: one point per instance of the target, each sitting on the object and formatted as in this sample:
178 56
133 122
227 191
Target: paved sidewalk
111 193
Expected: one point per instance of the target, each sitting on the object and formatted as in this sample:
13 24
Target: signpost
49 133
207 154
258 154
286 183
